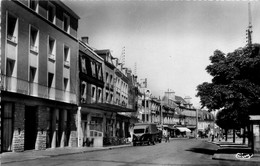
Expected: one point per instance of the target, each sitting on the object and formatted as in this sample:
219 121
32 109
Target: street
177 152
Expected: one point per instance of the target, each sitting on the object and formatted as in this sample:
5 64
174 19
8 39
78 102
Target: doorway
30 132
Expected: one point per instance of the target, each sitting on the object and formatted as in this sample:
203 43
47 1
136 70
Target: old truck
146 133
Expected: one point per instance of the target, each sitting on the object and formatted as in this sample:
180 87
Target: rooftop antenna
249 30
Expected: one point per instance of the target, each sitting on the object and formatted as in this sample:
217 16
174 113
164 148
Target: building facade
38 63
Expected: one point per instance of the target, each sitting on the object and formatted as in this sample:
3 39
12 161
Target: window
10 67
99 94
12 28
111 97
93 68
52 48
50 79
111 79
83 65
93 93
106 77
107 96
34 39
66 56
99 68
66 23
65 84
83 92
33 4
51 13
32 74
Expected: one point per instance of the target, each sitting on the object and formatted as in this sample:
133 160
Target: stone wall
73 138
43 118
18 135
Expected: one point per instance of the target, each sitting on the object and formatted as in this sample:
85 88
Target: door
30 132
7 130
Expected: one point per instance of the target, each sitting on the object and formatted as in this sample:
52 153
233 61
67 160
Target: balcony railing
34 49
12 38
16 85
51 56
67 64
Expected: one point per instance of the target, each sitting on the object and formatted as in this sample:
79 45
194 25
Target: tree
235 86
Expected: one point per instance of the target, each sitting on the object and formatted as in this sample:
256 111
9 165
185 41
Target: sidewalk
227 151
10 157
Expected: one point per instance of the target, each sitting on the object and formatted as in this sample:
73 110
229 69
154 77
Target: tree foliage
235 86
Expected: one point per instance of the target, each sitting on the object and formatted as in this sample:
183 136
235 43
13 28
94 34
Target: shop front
101 124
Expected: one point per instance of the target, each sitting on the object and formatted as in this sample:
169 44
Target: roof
178 98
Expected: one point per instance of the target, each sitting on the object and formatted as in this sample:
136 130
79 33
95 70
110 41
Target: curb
218 157
68 153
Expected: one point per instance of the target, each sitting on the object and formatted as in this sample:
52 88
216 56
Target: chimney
85 39
170 95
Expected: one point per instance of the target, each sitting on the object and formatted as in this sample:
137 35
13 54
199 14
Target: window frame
66 56
50 5
13 36
66 28
35 46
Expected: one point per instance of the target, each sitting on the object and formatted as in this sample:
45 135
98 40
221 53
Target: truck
146 133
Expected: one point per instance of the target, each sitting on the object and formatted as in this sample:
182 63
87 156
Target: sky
168 42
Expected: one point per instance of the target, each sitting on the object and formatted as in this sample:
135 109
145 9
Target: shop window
12 28
51 13
34 39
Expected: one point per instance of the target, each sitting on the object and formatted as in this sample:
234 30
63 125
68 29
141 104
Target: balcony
12 84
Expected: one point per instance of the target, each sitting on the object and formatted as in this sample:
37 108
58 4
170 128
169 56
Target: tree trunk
226 134
244 135
234 135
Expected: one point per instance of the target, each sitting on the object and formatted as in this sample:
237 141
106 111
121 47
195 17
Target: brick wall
18 135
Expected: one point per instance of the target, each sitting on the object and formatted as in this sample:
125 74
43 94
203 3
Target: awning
183 129
108 107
